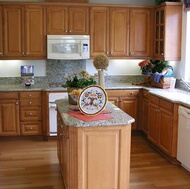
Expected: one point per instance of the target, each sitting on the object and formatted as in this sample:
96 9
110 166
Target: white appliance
68 47
53 112
183 145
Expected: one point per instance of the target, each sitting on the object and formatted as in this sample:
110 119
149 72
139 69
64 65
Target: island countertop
119 117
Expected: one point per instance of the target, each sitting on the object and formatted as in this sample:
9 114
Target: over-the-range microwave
68 47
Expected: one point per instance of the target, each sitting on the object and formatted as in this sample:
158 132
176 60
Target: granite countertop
175 96
119 116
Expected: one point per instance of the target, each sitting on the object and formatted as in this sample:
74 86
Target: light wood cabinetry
1 31
162 125
9 114
168 27
68 20
140 32
94 157
24 31
109 31
120 32
30 113
126 100
145 107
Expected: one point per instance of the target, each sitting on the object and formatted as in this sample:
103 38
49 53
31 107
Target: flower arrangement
79 80
152 66
101 62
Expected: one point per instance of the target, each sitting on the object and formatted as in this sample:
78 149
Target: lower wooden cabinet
30 113
162 125
9 114
126 100
94 157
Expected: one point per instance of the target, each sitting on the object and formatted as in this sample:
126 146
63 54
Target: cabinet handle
131 93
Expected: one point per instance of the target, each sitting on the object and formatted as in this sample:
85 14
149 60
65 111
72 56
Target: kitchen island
94 154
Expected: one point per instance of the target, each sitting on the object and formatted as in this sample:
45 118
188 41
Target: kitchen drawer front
154 99
128 93
30 102
31 128
166 105
26 95
30 114
9 95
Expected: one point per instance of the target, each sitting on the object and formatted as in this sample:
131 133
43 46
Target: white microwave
68 47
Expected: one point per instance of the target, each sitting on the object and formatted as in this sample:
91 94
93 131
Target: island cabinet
67 20
9 114
30 113
24 31
117 32
168 31
126 100
162 125
1 32
93 154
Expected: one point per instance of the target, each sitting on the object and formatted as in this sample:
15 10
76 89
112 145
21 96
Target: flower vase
73 99
101 78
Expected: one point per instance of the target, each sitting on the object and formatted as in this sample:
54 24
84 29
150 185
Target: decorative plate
92 100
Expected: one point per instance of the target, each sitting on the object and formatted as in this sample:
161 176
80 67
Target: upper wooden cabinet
24 31
109 31
140 32
1 32
120 32
168 26
67 20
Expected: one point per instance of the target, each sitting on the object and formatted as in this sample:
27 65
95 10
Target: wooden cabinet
145 107
109 31
68 20
9 114
30 113
126 100
89 156
1 31
162 125
140 32
168 31
120 32
24 31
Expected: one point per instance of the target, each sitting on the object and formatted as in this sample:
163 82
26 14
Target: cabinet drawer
30 102
154 99
31 128
128 93
26 95
30 114
9 95
166 105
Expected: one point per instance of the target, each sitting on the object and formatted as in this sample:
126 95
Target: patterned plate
92 100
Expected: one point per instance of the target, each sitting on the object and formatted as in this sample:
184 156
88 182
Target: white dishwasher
183 145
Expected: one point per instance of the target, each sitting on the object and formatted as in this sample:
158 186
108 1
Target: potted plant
76 82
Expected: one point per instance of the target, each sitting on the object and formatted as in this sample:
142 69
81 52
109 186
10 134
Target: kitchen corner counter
119 117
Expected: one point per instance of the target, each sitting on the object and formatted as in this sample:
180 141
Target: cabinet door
78 20
99 30
140 32
57 20
165 131
9 118
1 32
119 32
35 31
129 105
13 30
153 123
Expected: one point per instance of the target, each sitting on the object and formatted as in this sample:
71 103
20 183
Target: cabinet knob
131 53
30 128
107 53
26 53
111 52
69 31
30 113
1 53
117 100
23 53
162 54
17 103
61 134
121 100
66 31
131 93
30 102
30 95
